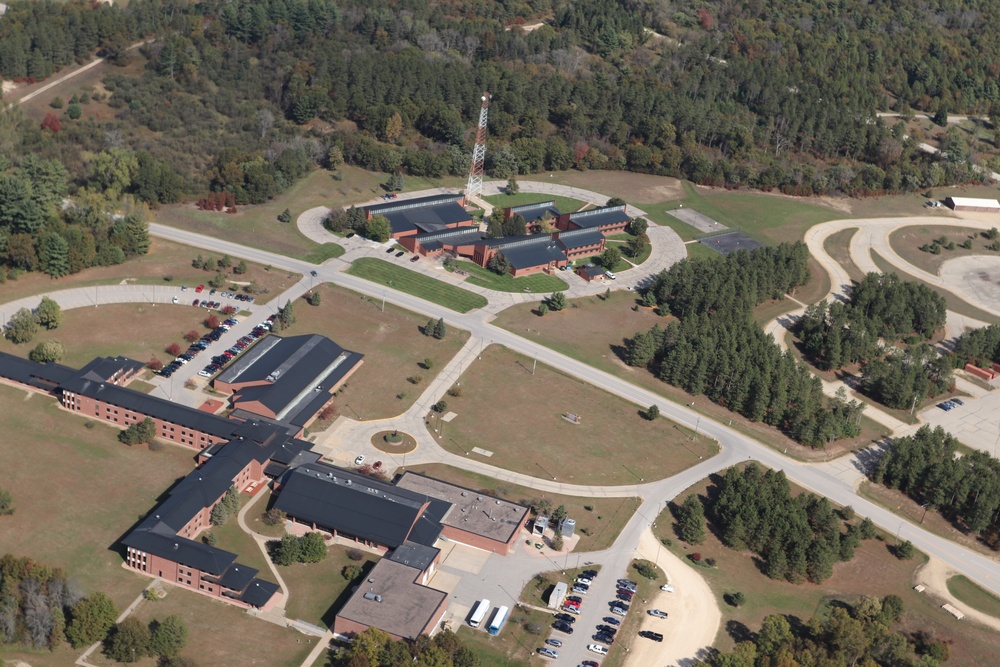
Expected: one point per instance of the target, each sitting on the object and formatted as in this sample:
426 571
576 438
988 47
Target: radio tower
475 186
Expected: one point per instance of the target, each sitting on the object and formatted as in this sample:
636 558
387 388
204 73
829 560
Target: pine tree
691 520
55 255
440 331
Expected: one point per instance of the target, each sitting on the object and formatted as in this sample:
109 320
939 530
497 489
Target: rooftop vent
479 498
176 546
464 494
372 596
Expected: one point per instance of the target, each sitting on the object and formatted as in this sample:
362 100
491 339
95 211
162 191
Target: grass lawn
222 635
391 342
537 283
592 331
321 253
316 590
384 273
974 596
537 590
955 303
536 443
258 226
604 521
697 250
564 204
641 189
78 491
838 246
768 218
907 241
135 330
514 645
872 571
165 259
232 538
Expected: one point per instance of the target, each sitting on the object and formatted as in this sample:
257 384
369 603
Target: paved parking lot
976 424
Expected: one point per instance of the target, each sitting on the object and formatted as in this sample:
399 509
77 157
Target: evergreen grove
716 349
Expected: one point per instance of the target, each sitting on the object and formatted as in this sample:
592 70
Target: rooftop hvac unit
372 596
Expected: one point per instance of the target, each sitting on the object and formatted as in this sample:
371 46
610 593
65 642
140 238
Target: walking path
82 660
276 614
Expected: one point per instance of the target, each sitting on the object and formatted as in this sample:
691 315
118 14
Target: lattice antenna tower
475 185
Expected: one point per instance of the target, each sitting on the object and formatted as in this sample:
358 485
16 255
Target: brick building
409 217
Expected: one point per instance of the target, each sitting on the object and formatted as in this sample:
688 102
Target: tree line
964 488
375 648
980 347
799 538
863 632
716 348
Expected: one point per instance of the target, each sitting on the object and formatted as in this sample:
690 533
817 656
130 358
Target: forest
798 538
716 349
863 633
882 326
965 489
978 346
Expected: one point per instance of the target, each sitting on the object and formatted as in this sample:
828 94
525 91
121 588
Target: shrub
192 336
737 599
646 569
904 550
440 406
710 562
174 349
427 364
533 628
455 391
355 555
696 557
154 364
273 517
351 572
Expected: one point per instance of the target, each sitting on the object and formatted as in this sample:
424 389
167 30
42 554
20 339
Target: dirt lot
165 259
538 440
391 342
134 330
873 571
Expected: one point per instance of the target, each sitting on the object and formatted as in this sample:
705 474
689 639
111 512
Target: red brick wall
478 541
255 407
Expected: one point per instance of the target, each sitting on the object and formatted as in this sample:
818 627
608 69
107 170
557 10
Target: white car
597 648
584 580
175 299
361 459
667 587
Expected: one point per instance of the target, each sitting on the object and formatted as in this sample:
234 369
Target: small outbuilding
973 204
591 272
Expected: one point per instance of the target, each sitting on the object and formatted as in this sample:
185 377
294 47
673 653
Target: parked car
589 574
563 626
657 613
611 620
565 617
199 289
573 598
597 648
400 253
584 580
359 460
554 642
582 590
958 400
604 638
649 634
389 251
548 653
415 258
667 587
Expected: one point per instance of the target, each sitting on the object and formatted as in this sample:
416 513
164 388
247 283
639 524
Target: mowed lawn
135 330
872 571
974 596
165 259
318 590
402 279
537 283
598 526
77 490
517 415
391 342
222 635
592 330
514 645
564 204
908 240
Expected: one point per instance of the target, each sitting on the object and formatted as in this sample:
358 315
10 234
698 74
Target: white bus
479 613
499 619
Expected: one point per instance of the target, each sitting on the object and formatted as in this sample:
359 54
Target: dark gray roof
151 406
427 218
180 550
415 202
104 368
415 555
358 505
580 238
237 577
600 217
537 211
298 372
33 373
451 236
533 254
258 592
592 270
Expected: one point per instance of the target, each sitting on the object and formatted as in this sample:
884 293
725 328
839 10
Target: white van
610 275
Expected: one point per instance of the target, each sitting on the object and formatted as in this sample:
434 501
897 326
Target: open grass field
564 204
768 218
698 250
537 283
232 538
639 189
388 274
258 226
514 645
603 521
543 444
223 635
974 596
77 490
135 330
838 246
391 342
317 589
165 260
908 240
954 303
872 571
591 330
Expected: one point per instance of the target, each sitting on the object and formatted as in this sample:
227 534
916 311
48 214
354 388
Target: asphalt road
735 446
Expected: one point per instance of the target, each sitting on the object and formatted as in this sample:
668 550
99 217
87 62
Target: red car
199 289
378 465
